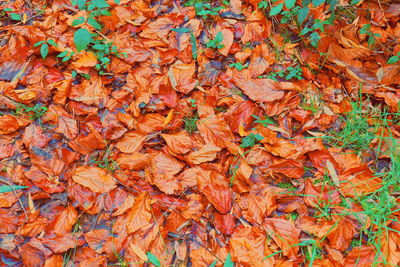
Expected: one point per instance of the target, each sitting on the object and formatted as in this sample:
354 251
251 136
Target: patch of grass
311 103
69 255
251 140
356 133
106 162
34 113
361 126
190 123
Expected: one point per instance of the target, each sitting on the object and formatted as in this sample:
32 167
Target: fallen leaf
96 179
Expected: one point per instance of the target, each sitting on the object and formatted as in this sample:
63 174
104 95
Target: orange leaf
8 124
131 142
261 90
206 153
227 42
96 179
140 214
87 59
179 143
169 117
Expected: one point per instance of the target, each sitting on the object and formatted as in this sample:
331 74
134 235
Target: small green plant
190 123
13 15
216 42
250 140
85 40
314 37
192 102
239 66
44 47
366 29
206 9
65 55
34 113
394 59
264 122
74 74
287 74
106 162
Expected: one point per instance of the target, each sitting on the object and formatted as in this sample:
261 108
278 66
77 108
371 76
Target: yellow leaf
138 251
242 132
332 173
169 117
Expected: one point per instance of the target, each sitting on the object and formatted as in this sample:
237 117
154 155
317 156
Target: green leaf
100 3
153 259
354 2
105 12
263 4
82 38
365 29
81 4
8 9
393 59
181 30
213 264
78 21
44 50
63 54
228 261
94 23
314 37
117 2
290 3
100 47
317 2
7 188
52 42
38 43
219 38
194 45
304 31
276 10
66 59
303 14
211 44
15 16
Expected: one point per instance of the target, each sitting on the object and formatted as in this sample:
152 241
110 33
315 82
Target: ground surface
167 133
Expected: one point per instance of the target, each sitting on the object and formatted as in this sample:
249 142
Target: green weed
360 127
287 74
216 42
190 123
106 162
34 113
44 47
250 140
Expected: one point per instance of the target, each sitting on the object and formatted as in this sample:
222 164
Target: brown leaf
96 179
261 90
139 215
131 142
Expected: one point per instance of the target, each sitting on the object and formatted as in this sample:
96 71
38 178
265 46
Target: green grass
362 125
69 255
190 123
34 113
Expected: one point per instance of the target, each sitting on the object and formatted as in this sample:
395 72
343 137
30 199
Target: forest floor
196 133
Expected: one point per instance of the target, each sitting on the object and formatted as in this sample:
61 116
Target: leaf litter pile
195 133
